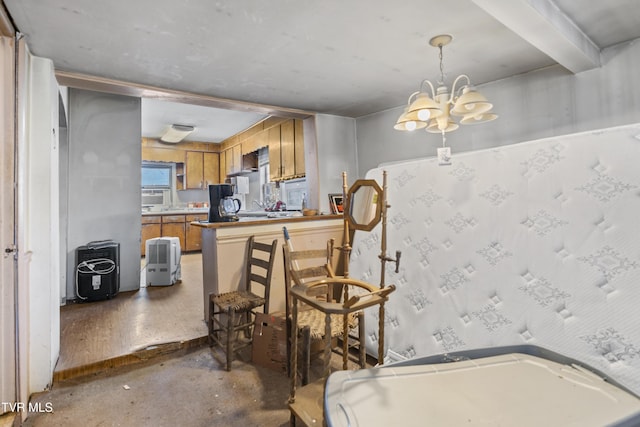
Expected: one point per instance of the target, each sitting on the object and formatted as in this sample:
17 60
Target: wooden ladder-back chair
233 312
303 266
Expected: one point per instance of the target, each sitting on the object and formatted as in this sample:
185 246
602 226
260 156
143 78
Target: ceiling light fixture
433 111
176 133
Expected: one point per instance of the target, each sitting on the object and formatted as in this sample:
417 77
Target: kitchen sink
265 214
252 213
284 214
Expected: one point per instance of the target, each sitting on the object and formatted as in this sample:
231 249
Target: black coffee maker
222 206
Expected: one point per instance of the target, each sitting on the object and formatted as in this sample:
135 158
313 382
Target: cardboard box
270 341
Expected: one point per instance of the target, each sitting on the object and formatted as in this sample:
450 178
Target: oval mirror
364 204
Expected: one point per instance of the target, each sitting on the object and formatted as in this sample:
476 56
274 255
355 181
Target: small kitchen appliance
223 207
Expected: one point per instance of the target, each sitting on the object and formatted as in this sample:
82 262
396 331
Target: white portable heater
163 261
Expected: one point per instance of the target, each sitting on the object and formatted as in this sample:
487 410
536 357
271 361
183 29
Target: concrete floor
186 389
175 387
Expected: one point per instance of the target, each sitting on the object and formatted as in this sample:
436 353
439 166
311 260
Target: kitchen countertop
253 220
184 211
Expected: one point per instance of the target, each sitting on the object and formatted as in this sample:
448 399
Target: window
156 176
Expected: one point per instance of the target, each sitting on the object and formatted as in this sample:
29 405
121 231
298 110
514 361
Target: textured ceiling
211 124
348 58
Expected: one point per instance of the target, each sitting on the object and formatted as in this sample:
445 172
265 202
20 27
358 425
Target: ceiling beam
102 84
545 26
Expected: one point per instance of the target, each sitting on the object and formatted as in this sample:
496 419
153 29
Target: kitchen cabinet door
193 233
236 154
287 149
260 141
211 172
254 142
228 154
298 134
233 159
151 228
195 170
223 166
249 144
153 154
174 226
275 169
175 230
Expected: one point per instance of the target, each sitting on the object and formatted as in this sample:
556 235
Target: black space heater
97 270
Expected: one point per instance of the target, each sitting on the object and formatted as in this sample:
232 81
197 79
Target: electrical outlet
95 282
444 155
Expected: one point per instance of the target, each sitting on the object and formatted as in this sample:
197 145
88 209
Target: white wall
63 144
336 151
38 233
535 105
7 263
104 179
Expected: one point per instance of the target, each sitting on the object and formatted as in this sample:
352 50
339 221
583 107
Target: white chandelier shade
409 121
433 108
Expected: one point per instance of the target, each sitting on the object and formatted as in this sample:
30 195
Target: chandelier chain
441 82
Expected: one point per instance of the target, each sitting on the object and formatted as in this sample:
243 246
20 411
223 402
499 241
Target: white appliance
240 190
293 193
155 197
163 261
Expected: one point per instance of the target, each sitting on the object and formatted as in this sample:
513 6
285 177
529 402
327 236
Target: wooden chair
233 312
303 266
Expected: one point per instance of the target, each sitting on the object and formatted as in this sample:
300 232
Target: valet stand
365 205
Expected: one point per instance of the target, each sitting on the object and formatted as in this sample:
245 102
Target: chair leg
306 354
213 327
361 338
211 323
230 336
211 333
247 330
289 328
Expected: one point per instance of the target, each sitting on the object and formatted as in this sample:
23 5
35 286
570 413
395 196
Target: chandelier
434 110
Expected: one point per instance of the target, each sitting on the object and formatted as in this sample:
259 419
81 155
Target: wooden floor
133 326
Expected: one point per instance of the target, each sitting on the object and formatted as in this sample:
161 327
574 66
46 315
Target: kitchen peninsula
224 247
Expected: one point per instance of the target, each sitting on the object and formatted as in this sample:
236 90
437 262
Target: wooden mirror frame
349 196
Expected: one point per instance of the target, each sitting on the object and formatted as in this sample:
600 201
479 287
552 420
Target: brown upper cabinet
194 170
275 165
254 142
283 137
197 165
223 166
202 169
153 154
211 173
233 159
298 134
286 151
